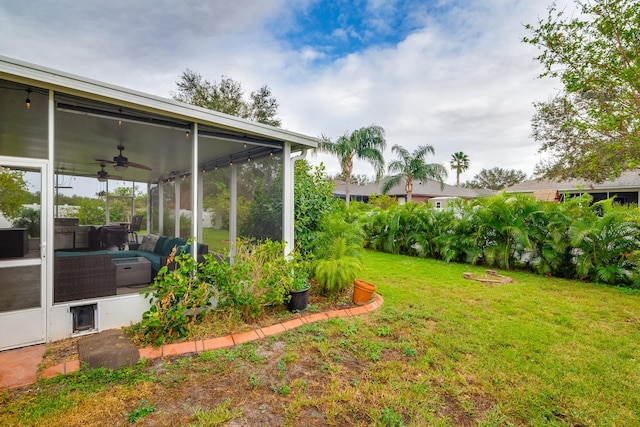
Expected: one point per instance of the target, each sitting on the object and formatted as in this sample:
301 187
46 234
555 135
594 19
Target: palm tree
459 163
366 143
413 166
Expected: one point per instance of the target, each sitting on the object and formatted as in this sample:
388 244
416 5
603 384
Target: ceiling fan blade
104 161
139 166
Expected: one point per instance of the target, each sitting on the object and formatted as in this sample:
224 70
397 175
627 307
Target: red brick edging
229 340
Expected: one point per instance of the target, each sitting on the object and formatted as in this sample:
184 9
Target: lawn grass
441 351
217 240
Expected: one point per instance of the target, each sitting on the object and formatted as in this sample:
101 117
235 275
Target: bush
313 201
178 298
336 254
260 277
576 239
29 219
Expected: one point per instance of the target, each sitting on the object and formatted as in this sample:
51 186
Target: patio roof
93 118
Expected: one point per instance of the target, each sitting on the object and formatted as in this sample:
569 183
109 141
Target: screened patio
188 172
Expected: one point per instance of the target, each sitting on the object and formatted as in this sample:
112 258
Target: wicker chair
83 277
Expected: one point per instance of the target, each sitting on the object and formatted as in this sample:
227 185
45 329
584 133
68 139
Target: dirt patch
60 351
490 276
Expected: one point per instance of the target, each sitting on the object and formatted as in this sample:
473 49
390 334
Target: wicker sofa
83 275
157 250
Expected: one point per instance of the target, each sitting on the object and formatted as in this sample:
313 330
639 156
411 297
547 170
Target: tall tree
227 97
412 166
13 192
496 179
366 144
591 128
459 163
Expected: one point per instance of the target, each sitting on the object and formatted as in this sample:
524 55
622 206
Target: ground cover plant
442 350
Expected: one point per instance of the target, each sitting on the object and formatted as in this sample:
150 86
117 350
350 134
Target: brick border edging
232 340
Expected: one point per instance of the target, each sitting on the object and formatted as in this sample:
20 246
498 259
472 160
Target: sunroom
154 172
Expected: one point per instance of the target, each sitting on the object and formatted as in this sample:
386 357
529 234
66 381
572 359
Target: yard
442 350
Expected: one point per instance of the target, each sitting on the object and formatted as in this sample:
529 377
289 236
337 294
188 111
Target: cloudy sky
450 73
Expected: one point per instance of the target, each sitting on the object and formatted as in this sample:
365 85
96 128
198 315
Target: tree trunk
408 188
347 169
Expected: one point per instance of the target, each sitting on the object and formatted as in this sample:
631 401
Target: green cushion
76 254
124 254
160 243
168 245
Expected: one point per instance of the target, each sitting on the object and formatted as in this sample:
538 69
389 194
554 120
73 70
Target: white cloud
462 81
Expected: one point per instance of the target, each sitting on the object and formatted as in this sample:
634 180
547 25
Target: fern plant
337 254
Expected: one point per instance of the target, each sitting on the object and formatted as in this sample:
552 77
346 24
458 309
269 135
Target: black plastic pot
299 300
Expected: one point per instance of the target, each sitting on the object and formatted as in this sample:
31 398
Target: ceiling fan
103 175
121 162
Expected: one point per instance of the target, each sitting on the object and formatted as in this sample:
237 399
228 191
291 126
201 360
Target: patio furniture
132 271
112 235
157 250
13 242
83 275
134 227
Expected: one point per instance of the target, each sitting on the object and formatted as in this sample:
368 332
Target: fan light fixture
102 174
120 160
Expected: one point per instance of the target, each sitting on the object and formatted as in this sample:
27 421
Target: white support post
196 178
148 227
46 217
107 215
161 207
200 205
233 211
133 200
176 214
287 199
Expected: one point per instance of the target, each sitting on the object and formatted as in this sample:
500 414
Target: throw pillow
148 243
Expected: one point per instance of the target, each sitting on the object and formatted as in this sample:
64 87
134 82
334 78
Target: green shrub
576 239
178 298
29 219
313 201
261 276
336 254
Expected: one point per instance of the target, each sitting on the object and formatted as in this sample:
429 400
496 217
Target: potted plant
299 291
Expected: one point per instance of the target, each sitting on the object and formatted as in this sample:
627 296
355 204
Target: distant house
422 191
442 202
625 189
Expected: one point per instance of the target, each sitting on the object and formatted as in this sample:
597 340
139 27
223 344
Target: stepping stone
108 349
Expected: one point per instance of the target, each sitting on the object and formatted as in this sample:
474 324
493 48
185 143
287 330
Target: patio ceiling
153 130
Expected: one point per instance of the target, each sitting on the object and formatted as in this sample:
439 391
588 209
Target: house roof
627 180
151 128
429 188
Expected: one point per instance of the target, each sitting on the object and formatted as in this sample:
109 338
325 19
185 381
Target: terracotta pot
362 291
299 300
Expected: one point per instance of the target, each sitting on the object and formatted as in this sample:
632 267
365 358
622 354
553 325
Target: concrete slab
109 349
